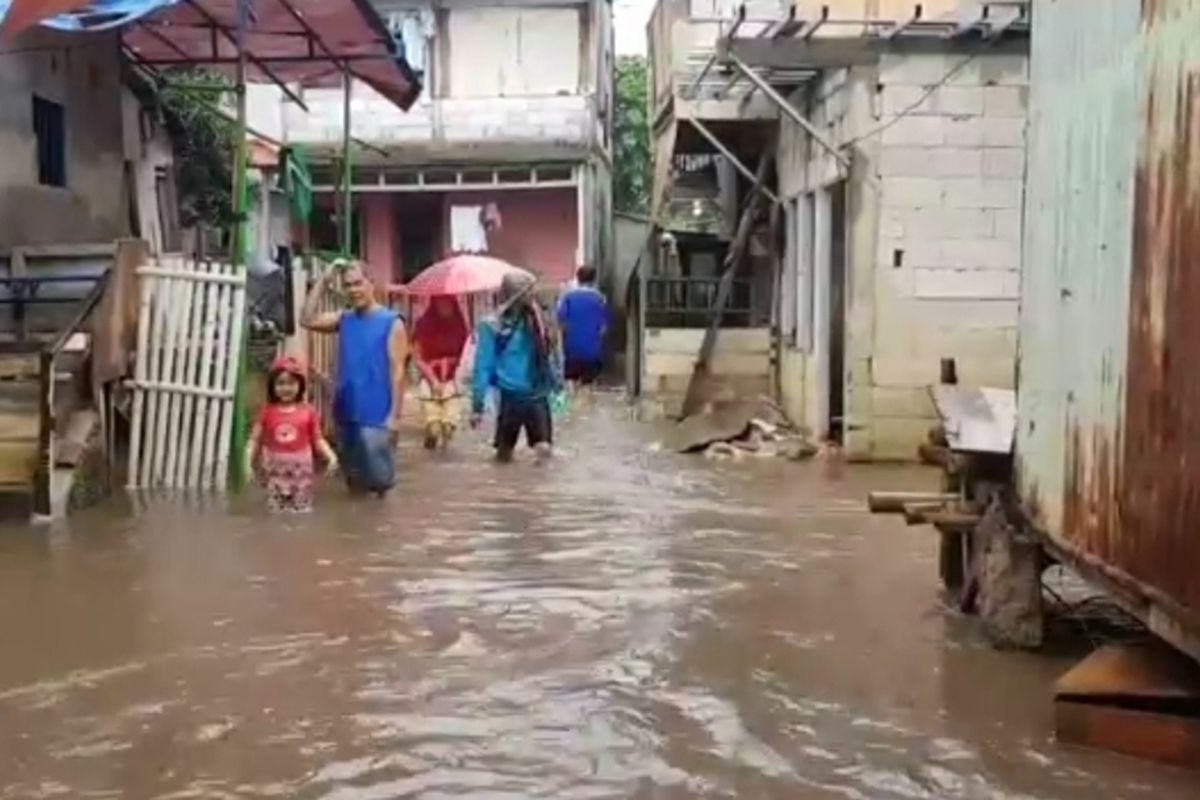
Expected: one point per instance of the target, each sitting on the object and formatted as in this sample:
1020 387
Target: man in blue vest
583 319
516 354
369 386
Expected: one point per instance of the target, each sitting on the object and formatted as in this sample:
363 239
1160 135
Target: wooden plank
237 327
181 312
18 461
182 274
93 250
191 361
208 349
141 372
977 420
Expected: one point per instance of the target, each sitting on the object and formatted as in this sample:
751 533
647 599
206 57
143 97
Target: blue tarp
100 14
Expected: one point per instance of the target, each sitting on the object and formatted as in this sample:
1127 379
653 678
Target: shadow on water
619 623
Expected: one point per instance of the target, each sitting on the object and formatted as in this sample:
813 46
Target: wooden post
698 386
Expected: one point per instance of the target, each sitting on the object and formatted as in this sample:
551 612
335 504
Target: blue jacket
506 357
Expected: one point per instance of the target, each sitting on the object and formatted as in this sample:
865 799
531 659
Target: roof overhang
306 43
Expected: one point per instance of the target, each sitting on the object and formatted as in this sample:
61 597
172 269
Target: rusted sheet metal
1108 441
1139 700
976 420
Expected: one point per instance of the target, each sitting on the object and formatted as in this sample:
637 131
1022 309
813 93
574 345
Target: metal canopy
286 42
795 44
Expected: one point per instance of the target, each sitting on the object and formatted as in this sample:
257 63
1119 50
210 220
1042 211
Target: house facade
507 151
898 146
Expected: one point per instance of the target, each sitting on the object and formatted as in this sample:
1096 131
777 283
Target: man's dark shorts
531 415
582 371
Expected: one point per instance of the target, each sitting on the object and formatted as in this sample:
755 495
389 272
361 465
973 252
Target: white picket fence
191 319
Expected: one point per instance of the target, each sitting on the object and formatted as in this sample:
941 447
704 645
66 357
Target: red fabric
440 340
290 365
288 429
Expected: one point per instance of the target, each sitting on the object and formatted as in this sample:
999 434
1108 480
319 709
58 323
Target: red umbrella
23 14
464 274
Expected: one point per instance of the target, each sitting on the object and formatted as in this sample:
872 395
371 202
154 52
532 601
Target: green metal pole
347 198
237 444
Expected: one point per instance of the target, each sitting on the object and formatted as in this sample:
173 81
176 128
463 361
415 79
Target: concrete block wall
950 167
934 232
567 119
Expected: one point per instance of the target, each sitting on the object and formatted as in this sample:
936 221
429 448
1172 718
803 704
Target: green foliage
204 147
631 135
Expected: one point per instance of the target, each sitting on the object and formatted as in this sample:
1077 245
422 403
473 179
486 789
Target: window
50 130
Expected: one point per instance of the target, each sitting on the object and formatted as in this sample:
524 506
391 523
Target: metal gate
189 339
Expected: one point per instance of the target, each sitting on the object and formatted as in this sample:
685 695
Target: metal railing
687 302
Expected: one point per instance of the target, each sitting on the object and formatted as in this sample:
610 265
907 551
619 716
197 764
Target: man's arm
485 360
310 317
398 361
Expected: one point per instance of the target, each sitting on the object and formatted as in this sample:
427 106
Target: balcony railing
687 302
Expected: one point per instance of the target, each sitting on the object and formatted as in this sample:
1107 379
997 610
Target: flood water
619 624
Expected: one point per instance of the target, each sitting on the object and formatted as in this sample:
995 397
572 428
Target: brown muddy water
619 624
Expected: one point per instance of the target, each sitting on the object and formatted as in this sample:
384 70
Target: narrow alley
622 624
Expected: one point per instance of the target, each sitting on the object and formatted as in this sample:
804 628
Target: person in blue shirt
583 318
515 353
370 382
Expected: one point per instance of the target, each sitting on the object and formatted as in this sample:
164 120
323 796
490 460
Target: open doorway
837 312
419 227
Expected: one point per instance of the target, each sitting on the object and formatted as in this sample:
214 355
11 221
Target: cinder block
1001 193
907 100
982 253
967 284
960 101
1004 131
1004 70
1004 162
964 131
894 401
909 162
959 162
967 315
1005 101
912 192
920 130
913 70
1006 224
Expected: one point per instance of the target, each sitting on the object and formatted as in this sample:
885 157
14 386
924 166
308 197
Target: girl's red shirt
289 429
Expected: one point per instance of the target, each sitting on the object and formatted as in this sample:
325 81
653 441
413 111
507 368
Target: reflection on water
619 624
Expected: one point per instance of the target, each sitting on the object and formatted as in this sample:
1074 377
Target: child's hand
331 467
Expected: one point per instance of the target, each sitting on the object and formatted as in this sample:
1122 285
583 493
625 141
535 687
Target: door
829 311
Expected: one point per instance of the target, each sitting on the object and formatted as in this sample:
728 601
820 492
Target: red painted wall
539 228
379 235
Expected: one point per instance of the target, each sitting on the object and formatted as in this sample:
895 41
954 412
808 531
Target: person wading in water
514 352
369 386
438 340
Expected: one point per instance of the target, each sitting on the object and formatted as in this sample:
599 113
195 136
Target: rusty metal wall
1108 447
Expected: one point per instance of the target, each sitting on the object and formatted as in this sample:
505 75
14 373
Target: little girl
284 440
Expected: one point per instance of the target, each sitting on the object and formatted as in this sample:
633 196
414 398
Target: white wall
514 51
934 229
498 73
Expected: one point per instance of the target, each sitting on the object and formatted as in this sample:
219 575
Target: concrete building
62 177
507 150
899 171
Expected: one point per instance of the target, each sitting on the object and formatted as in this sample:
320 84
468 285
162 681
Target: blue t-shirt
364 372
583 316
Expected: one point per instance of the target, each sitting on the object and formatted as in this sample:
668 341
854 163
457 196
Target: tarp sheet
279 37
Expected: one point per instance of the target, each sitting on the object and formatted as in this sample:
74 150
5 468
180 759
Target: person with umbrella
515 352
370 382
438 340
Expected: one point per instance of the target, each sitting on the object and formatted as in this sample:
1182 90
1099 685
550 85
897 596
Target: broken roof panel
303 42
